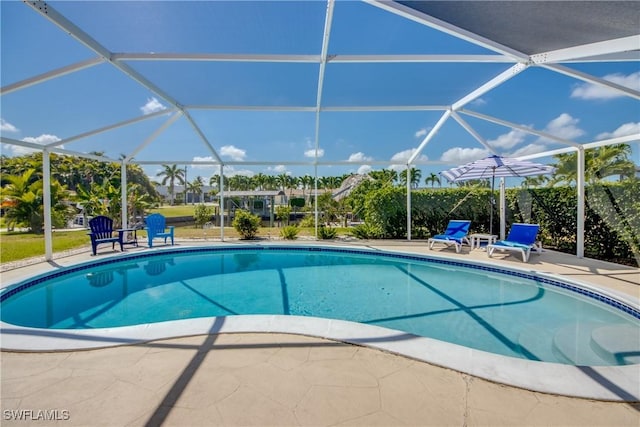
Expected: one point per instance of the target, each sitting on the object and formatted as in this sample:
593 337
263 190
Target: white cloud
422 132
234 153
478 102
204 159
403 156
591 91
564 126
508 140
43 139
278 169
364 169
5 126
400 159
460 156
152 106
624 130
312 153
359 157
231 171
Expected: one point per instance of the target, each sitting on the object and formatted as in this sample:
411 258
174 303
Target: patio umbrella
492 167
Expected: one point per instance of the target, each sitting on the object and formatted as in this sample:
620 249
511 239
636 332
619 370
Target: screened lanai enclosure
321 87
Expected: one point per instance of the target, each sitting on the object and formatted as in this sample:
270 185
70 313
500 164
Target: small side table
129 236
479 238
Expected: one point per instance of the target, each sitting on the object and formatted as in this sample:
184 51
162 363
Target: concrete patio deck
284 379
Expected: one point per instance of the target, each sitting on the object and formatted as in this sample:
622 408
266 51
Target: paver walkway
272 380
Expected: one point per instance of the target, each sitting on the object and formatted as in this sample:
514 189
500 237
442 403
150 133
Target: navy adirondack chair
156 227
102 232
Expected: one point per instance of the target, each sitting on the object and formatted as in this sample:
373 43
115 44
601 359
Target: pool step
593 344
573 343
617 343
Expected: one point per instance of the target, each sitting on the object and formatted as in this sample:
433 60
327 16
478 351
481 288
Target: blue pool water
512 314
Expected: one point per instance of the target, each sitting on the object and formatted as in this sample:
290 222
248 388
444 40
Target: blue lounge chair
156 227
521 238
455 234
102 232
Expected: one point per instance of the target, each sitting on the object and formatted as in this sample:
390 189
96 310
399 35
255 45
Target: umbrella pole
493 183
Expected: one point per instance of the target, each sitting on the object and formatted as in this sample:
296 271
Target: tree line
96 185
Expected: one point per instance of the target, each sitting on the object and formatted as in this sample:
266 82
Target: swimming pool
510 313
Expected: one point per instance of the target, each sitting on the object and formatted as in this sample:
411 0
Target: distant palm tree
307 182
416 174
171 174
283 181
432 179
385 175
271 182
477 183
195 187
535 181
259 181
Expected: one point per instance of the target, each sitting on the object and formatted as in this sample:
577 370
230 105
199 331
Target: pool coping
610 383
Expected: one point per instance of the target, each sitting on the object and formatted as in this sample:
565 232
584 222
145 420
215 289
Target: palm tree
24 196
476 183
384 176
171 174
599 163
259 181
535 181
416 174
283 181
137 201
307 182
214 181
270 182
195 187
432 179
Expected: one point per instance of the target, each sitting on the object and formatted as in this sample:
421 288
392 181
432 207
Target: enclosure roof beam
153 136
110 127
592 80
40 78
620 45
520 127
472 132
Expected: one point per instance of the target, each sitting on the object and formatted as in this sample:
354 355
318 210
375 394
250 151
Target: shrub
296 202
308 221
290 232
202 214
282 213
326 233
365 231
246 224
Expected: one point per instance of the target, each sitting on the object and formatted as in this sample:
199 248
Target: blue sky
100 96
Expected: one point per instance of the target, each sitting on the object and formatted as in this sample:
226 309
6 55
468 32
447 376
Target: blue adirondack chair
156 227
102 232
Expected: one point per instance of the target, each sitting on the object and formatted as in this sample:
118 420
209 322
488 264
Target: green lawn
19 245
172 211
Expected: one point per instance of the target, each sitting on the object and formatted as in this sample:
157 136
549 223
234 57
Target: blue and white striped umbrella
492 167
496 166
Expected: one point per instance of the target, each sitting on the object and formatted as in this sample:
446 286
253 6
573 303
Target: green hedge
612 215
